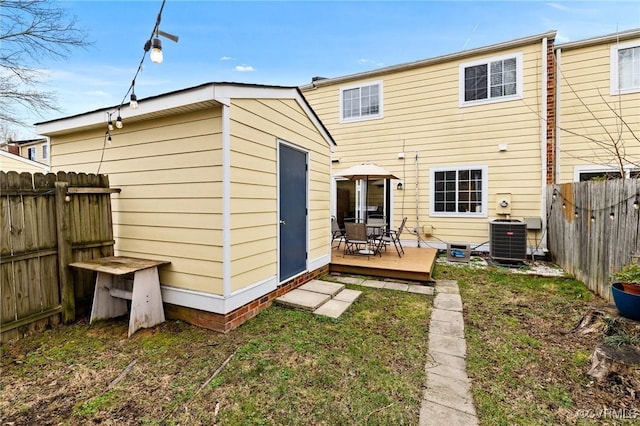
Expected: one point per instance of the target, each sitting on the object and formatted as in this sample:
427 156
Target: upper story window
491 80
459 191
363 102
31 153
45 152
625 68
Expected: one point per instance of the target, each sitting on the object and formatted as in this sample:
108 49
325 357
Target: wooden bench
113 290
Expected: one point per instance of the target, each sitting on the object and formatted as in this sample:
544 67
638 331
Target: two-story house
469 134
598 108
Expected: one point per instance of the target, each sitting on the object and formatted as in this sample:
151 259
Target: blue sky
289 42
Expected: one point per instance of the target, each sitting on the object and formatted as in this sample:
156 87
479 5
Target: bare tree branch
30 32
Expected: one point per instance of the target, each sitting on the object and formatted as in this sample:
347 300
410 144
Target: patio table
113 290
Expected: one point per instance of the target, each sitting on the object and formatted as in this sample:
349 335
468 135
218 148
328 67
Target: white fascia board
146 106
253 92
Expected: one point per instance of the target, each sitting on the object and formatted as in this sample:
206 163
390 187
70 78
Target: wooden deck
416 264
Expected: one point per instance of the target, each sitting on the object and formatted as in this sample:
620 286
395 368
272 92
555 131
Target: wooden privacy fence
46 222
593 229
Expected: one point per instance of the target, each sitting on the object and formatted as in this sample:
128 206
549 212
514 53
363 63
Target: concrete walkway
447 397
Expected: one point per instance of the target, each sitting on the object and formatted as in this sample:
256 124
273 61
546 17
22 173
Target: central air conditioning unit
508 240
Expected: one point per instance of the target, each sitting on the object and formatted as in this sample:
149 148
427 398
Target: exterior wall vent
507 240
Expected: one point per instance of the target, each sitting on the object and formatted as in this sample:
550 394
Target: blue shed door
293 212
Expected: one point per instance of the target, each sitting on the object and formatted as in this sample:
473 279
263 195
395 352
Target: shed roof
180 101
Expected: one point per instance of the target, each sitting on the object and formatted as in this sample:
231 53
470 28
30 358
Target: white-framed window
459 191
45 152
361 102
489 80
31 153
596 172
625 68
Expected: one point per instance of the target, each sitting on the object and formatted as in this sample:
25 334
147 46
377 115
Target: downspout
543 143
417 201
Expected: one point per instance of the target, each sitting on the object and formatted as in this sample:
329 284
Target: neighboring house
229 182
34 149
469 134
598 107
12 162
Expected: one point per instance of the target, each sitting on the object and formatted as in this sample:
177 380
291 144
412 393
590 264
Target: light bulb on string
636 204
134 101
564 205
593 218
576 213
110 125
156 50
119 123
612 215
108 136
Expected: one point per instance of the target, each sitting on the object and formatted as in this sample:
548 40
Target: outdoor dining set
366 238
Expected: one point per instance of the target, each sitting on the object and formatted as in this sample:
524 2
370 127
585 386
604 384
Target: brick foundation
225 323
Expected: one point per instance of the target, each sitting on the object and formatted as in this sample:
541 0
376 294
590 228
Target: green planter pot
628 304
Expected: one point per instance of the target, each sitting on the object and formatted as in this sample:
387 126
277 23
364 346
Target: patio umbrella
366 171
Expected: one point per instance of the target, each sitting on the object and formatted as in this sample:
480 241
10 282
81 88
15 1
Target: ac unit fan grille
508 240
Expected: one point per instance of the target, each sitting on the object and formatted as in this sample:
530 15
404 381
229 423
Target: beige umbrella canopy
366 171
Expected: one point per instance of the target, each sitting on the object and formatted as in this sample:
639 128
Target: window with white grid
625 68
459 191
491 80
361 102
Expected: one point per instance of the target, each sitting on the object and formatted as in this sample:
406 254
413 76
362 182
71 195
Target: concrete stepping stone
373 283
347 295
396 286
348 280
333 308
303 299
421 289
324 287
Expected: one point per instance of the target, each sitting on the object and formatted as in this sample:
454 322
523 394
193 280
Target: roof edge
607 38
430 61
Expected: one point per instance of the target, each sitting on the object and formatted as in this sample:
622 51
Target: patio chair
355 239
393 236
337 233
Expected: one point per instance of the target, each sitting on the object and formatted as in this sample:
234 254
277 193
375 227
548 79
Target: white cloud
569 9
227 58
244 68
364 61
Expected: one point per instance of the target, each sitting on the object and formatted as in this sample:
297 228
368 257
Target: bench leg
146 302
104 306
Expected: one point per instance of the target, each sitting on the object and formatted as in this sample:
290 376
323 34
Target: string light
119 124
108 136
156 50
568 203
154 45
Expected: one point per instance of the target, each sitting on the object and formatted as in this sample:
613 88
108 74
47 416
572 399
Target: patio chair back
355 238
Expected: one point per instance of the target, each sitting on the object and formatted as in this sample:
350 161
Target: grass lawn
289 368
526 365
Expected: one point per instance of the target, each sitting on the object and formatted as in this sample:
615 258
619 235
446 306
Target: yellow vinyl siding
256 127
586 122
8 164
24 151
169 171
422 116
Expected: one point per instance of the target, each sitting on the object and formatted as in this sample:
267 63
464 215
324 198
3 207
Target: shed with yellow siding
200 171
598 107
432 124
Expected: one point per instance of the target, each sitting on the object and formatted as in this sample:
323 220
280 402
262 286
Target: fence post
64 254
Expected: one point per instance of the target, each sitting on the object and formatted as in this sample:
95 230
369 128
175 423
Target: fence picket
593 245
